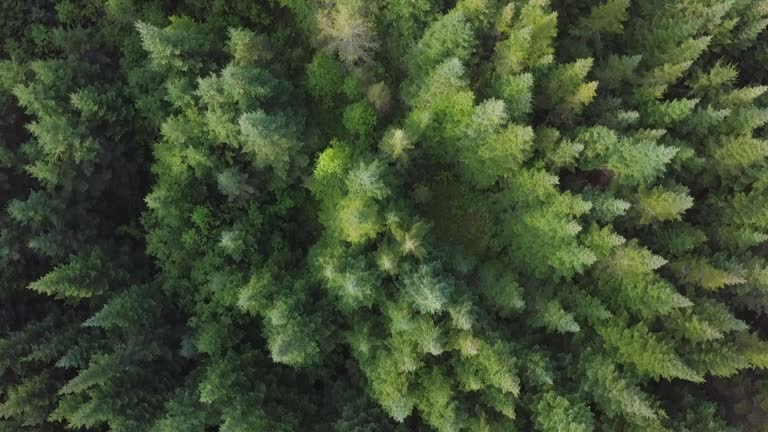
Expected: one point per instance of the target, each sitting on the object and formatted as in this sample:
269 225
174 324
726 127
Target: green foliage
85 275
359 118
178 47
383 216
450 36
324 77
661 204
554 412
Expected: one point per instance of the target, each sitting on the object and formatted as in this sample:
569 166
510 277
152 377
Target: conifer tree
472 215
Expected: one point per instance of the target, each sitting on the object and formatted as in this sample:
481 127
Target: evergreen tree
473 215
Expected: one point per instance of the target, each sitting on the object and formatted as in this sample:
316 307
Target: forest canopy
390 215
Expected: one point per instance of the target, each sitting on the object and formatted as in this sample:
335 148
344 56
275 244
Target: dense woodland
390 215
